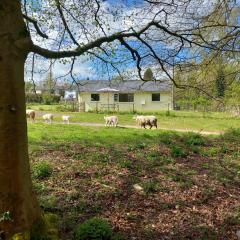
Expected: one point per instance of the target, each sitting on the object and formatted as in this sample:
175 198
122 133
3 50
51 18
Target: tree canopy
127 35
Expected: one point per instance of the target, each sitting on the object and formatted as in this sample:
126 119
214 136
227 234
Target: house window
156 97
126 97
115 97
95 97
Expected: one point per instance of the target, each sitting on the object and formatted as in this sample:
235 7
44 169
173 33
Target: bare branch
35 23
65 23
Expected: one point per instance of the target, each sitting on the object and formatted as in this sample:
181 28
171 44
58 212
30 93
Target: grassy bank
187 185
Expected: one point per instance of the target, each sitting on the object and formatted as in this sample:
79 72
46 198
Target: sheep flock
47 118
110 121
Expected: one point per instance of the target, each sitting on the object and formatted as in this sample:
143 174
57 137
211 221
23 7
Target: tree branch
34 22
65 23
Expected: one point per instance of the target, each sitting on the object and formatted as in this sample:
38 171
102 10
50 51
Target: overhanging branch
35 24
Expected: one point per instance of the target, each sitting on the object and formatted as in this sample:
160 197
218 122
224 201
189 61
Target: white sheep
66 119
144 121
152 121
31 114
48 117
111 120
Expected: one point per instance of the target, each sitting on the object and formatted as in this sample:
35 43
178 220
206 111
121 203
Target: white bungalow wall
142 102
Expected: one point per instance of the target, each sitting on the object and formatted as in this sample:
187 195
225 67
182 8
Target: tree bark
16 195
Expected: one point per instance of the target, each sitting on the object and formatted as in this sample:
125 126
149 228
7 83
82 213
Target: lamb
66 119
48 117
144 121
111 120
30 114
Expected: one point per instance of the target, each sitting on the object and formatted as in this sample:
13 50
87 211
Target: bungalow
131 95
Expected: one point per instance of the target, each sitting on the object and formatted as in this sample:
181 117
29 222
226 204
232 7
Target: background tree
148 75
208 78
232 98
220 84
48 83
57 29
29 86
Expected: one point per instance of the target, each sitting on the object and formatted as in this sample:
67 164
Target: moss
43 229
21 236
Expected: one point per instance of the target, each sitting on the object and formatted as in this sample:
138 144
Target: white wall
142 102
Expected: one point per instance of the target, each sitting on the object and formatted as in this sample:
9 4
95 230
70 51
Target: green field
189 184
216 122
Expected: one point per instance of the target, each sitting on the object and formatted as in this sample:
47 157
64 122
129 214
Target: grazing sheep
66 119
111 120
30 114
152 121
48 117
144 121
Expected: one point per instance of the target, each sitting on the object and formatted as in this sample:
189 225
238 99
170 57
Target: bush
232 135
194 139
45 98
93 229
33 98
168 138
49 99
64 108
42 170
177 152
68 107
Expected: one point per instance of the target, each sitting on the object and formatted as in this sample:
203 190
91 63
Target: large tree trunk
16 195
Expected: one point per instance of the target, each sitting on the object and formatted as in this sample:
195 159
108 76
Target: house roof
128 86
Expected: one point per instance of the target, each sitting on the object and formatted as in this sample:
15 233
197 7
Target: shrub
33 98
210 152
177 152
93 229
232 135
42 170
168 137
194 139
44 98
64 108
49 99
38 187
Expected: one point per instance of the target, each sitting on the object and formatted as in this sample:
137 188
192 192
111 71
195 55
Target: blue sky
128 3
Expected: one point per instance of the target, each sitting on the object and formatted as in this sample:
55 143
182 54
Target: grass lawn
176 120
146 184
